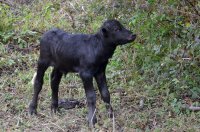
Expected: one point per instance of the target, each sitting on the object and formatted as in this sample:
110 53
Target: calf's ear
104 32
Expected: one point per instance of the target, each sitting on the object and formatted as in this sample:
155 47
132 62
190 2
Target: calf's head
114 33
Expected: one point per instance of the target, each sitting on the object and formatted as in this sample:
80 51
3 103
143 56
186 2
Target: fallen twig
113 122
141 104
194 108
93 118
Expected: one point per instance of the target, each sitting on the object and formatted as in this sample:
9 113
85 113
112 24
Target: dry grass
16 92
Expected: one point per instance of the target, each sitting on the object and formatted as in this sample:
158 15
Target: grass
16 93
142 70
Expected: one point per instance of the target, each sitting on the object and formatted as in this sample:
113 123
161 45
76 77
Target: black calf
83 53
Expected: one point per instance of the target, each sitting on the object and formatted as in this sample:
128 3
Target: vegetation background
152 80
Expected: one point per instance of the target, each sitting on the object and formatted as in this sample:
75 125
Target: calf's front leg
91 97
105 95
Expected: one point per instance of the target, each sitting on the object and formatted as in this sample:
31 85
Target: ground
130 114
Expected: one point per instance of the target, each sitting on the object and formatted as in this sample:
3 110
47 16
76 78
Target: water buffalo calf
86 54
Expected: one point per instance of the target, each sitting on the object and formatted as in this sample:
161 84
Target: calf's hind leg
56 76
91 97
38 82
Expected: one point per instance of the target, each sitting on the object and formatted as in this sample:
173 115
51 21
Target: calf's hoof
110 111
110 114
54 108
92 122
32 109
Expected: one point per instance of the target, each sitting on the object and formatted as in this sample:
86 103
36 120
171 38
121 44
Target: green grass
150 69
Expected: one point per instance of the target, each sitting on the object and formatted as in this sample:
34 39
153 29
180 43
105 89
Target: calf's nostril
132 36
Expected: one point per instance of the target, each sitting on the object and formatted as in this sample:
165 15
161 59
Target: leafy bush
169 58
